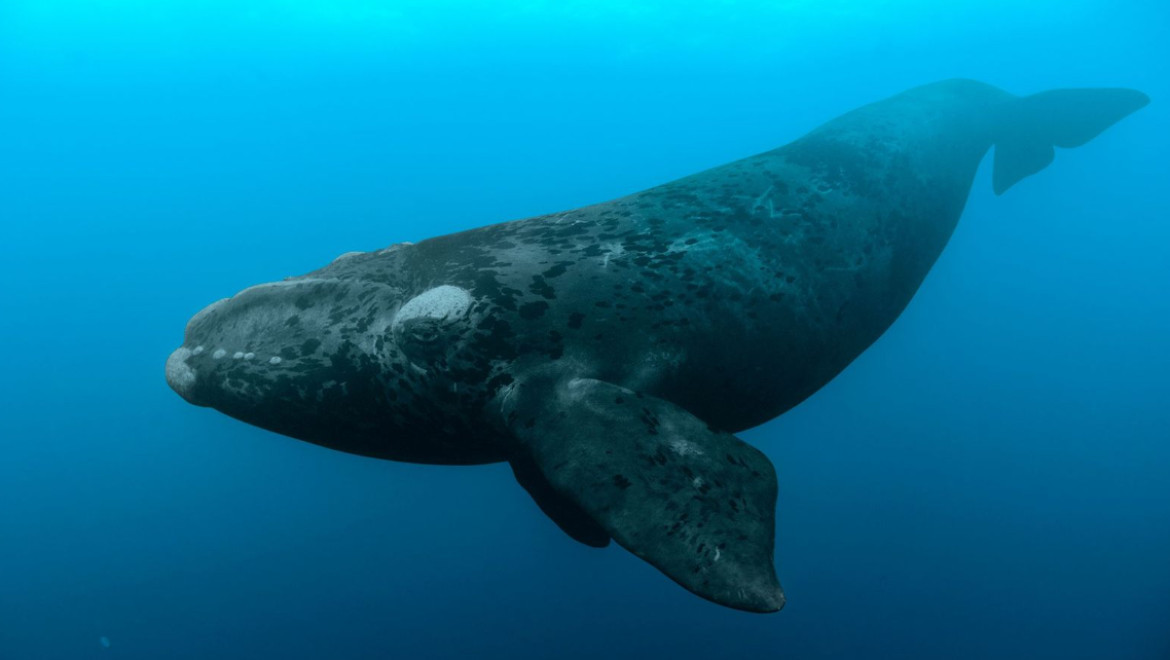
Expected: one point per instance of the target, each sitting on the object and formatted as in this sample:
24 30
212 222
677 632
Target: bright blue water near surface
990 480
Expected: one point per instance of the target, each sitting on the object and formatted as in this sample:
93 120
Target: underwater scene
528 329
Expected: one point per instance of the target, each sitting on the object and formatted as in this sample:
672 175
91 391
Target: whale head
349 363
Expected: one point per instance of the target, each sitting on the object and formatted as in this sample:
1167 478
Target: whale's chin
181 376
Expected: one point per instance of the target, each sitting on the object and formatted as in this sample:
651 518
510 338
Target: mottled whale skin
610 351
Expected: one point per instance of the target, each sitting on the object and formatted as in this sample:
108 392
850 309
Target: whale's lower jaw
181 376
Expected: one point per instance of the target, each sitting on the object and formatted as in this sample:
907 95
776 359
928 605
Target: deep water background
990 480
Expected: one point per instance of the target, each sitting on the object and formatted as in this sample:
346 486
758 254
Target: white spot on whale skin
685 447
238 355
180 376
274 360
197 351
219 353
441 302
249 356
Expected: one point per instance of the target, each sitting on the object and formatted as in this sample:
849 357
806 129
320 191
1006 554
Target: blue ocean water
989 480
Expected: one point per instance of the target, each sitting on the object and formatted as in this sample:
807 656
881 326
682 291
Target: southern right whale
609 352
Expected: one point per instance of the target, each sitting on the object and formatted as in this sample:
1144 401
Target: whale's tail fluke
1058 118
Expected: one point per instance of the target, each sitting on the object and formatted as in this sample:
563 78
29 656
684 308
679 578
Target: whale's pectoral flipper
695 502
572 519
1031 126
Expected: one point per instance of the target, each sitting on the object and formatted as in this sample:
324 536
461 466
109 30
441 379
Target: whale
610 353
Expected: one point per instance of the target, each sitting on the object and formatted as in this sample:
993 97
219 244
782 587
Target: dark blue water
990 480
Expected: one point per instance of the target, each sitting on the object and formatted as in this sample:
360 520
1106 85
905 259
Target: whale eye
425 340
423 330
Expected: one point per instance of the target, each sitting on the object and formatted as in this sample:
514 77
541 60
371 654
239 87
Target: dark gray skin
608 352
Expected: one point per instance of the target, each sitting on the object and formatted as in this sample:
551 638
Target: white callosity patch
180 376
238 355
444 302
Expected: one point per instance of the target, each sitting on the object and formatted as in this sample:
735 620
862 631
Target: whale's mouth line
290 282
211 309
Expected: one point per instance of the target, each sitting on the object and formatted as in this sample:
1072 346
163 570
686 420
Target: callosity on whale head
349 363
